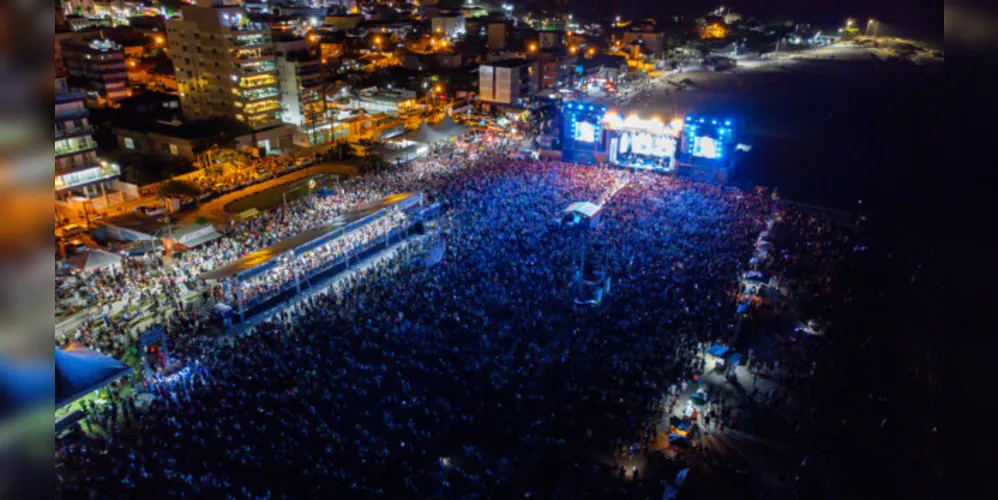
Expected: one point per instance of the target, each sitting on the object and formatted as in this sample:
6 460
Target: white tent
586 208
92 259
449 128
424 134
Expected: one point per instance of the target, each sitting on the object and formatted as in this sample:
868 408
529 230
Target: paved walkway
214 210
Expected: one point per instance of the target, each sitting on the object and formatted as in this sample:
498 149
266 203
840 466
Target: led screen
706 147
585 132
647 144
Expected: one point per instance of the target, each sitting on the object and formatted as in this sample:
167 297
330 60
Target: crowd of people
475 379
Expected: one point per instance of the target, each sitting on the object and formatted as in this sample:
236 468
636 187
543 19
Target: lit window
129 143
174 150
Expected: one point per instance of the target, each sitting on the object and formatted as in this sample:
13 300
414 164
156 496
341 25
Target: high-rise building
225 64
299 71
98 66
78 171
507 81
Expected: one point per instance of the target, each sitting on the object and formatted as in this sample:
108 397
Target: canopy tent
718 350
449 128
144 247
586 208
196 234
529 146
424 135
79 370
92 259
404 153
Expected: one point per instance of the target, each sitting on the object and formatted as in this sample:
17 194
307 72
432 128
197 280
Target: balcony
249 27
257 81
73 146
64 97
256 68
262 107
261 93
86 176
265 54
254 40
73 132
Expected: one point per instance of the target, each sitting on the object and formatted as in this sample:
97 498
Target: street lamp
849 23
532 47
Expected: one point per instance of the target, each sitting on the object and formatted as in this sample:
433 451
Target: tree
343 150
173 187
375 163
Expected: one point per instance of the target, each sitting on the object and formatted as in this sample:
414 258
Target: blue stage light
713 122
728 123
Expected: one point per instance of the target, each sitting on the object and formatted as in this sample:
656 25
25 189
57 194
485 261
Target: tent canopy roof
449 127
424 134
586 208
93 259
79 370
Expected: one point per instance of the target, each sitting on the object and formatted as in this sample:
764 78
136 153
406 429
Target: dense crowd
476 378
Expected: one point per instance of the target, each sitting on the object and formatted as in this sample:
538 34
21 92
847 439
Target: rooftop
508 63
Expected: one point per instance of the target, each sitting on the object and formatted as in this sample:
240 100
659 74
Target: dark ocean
833 133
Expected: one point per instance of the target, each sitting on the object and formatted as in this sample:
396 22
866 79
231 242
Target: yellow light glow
613 119
533 47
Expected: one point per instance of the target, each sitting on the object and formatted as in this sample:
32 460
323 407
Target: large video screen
647 144
585 132
706 147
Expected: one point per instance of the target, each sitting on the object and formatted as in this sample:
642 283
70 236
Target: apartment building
224 64
507 81
98 67
79 173
448 25
299 72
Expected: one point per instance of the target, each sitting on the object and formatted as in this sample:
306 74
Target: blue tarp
718 350
733 359
79 370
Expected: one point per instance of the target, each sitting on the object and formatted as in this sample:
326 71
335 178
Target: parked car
70 230
75 247
150 210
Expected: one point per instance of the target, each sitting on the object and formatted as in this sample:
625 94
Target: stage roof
260 261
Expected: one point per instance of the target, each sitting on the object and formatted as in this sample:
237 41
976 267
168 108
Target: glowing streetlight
437 88
849 23
532 47
573 49
159 40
